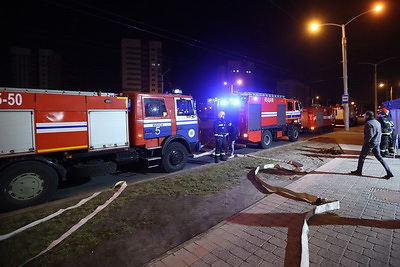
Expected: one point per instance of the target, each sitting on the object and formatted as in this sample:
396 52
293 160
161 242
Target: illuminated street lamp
238 82
381 85
345 97
376 80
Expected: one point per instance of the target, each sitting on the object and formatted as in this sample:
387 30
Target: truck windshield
155 107
184 107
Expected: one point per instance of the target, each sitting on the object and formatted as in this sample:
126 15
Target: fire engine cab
262 117
46 134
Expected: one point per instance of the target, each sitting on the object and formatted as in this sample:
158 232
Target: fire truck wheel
26 183
294 134
93 168
266 139
174 158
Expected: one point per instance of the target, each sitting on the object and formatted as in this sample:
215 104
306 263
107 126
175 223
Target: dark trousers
366 149
392 140
385 144
220 146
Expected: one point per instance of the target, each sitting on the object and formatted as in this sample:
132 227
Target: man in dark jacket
372 140
220 133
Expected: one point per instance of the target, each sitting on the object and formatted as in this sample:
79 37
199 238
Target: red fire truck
317 119
262 117
46 134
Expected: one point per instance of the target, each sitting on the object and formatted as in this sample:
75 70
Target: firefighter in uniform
387 129
392 137
220 133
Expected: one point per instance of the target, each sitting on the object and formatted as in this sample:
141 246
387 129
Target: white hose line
121 185
51 216
323 206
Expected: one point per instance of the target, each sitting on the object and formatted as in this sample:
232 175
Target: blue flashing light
235 102
224 102
177 91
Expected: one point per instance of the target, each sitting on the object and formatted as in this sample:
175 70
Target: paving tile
186 256
240 252
199 263
362 259
254 260
173 260
234 261
348 262
376 255
220 263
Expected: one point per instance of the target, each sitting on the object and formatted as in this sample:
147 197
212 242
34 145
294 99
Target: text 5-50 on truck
45 133
262 117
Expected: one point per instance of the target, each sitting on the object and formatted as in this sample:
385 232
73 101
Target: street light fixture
376 80
345 97
238 82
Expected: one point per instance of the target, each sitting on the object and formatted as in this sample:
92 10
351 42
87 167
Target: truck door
186 119
281 114
156 122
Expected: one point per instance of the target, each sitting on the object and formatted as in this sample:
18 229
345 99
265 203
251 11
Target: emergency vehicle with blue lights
47 134
262 117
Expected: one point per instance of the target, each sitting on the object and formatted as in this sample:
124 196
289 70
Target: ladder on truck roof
57 92
259 94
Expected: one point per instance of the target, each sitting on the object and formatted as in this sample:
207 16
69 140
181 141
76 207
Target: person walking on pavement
220 133
233 134
387 128
372 139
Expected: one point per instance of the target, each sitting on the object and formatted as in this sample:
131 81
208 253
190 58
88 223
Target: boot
388 175
216 159
223 158
356 172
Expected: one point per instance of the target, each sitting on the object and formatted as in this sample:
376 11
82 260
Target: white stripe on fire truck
269 114
186 122
61 127
157 123
292 112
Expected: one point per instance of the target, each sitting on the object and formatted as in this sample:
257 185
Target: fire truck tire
266 139
27 183
93 168
174 158
294 134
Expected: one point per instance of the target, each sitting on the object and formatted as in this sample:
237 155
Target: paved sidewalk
365 231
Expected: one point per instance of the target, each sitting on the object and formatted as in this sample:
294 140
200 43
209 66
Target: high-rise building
32 68
24 68
234 71
295 89
49 69
141 66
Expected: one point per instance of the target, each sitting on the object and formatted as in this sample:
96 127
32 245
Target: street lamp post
162 80
238 82
376 80
345 97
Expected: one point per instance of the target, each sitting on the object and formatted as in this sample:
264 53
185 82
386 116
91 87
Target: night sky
199 36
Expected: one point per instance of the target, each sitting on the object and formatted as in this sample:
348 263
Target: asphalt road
139 173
